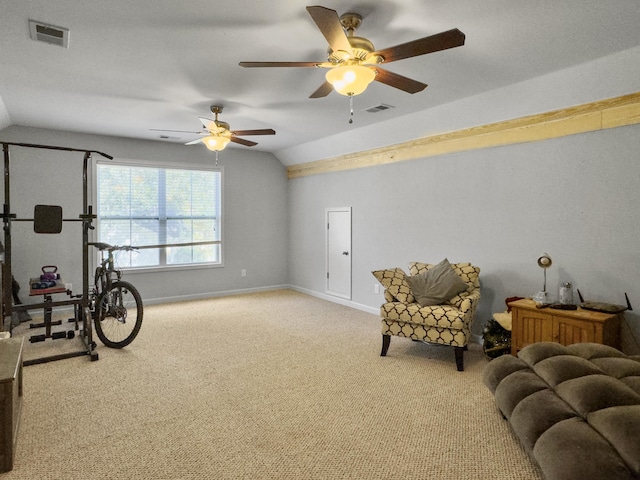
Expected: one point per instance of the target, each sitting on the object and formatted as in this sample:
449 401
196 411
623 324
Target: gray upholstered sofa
576 408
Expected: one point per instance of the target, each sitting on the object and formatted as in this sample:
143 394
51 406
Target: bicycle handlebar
112 248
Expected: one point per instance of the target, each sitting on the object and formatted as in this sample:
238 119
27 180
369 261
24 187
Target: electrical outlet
243 272
376 288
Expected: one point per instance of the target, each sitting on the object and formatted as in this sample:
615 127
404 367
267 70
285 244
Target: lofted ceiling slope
131 67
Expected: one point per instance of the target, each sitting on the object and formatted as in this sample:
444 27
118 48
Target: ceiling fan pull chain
350 108
217 152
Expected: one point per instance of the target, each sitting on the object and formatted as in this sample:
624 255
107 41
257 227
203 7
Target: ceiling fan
353 61
218 134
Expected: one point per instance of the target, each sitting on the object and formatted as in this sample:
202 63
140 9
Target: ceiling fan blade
329 24
193 142
325 89
207 123
281 64
242 141
398 81
264 131
434 43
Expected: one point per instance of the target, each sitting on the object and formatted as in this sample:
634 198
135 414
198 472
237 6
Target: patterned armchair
446 323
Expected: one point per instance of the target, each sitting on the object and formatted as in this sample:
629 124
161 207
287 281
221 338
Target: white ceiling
132 66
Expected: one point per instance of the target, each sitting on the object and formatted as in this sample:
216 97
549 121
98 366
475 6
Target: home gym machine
48 219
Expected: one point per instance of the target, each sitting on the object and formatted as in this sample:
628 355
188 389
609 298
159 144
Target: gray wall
255 213
576 198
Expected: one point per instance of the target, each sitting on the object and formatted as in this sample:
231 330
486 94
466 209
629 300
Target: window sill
170 268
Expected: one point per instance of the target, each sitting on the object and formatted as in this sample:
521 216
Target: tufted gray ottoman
575 408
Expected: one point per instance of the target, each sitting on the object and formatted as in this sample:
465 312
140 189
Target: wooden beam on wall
599 115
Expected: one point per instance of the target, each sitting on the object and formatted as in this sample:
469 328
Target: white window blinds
173 215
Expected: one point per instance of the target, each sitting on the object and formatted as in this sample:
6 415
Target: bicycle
115 304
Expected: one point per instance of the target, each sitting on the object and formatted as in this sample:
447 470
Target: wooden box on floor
10 399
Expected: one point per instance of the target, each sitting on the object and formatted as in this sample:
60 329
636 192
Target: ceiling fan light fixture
215 143
350 80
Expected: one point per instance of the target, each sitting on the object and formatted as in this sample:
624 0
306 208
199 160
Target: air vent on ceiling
42 32
379 108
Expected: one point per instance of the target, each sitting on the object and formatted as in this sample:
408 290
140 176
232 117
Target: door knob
345 253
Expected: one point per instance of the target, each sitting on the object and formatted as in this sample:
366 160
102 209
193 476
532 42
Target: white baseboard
338 300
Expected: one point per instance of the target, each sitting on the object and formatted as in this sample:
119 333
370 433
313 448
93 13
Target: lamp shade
215 143
544 261
350 80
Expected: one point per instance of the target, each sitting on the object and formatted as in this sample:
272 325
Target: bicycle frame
104 273
115 305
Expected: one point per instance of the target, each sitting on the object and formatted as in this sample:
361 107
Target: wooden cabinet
10 399
5 297
530 325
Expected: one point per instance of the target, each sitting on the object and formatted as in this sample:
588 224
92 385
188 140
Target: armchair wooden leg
386 340
459 353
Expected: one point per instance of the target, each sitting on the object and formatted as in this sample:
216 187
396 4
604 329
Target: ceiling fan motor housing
361 50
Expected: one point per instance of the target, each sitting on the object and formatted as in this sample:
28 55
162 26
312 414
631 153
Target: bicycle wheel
118 315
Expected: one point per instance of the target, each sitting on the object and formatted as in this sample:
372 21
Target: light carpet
272 385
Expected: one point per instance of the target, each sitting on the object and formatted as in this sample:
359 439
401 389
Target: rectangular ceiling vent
379 108
41 32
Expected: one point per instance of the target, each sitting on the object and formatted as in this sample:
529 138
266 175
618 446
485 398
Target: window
173 215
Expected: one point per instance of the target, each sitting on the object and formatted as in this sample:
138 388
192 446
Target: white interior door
339 252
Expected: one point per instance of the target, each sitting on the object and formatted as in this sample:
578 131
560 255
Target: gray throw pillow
436 285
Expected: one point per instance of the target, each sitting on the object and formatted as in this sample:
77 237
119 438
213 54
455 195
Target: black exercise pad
47 219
